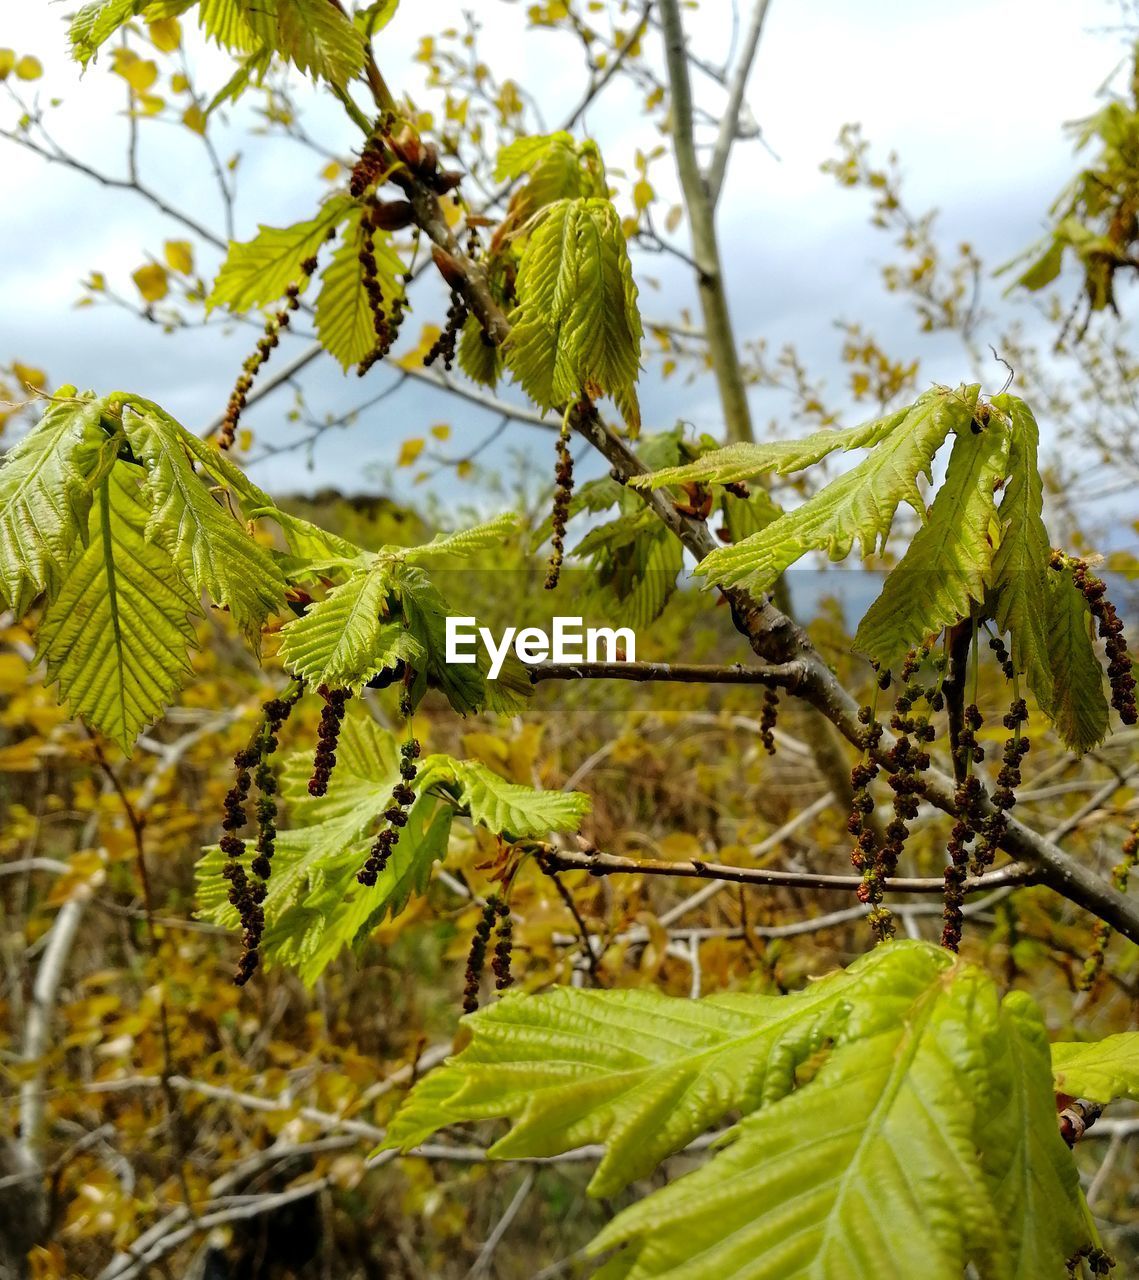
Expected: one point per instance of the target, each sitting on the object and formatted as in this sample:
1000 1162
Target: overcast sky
971 93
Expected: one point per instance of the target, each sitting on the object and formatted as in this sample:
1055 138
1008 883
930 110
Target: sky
973 96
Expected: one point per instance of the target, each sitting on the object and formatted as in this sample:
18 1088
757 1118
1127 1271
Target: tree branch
729 124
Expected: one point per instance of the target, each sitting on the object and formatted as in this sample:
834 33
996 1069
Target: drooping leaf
895 1116
479 358
210 549
1020 565
946 567
46 486
882 1165
96 22
117 634
1032 1178
257 272
344 319
507 808
744 461
857 506
576 328
349 636
1101 1070
1079 706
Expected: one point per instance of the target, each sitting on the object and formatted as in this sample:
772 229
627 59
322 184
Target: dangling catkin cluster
767 720
966 797
444 345
265 344
905 763
327 736
1119 674
865 852
994 825
1101 936
504 942
476 958
402 797
379 216
247 893
563 496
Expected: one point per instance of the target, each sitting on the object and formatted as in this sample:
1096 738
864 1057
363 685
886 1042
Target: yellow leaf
194 118
7 62
179 256
464 468
331 171
413 359
97 282
29 68
441 431
643 194
150 104
166 33
139 73
673 217
29 375
244 439
179 83
409 451
151 281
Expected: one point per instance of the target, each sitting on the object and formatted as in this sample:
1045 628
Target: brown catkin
476 958
767 720
444 345
1120 677
327 736
563 496
402 798
247 892
1101 934
265 344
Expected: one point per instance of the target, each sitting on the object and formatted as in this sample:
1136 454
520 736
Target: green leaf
318 37
1100 1070
576 328
466 542
46 485
1079 706
95 23
257 272
745 461
479 358
897 1121
117 635
252 68
642 1072
1045 268
858 506
522 154
1032 1178
344 319
945 568
508 809
465 686
347 638
211 549
1020 598
889 1162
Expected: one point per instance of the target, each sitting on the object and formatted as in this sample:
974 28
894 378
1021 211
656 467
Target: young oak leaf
858 506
